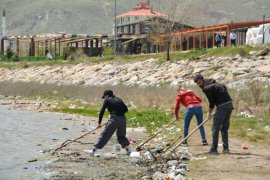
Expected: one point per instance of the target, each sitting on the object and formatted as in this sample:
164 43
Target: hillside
95 16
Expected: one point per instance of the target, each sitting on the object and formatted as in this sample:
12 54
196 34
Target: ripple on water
23 134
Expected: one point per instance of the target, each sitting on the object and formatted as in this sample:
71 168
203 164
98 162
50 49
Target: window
137 18
128 19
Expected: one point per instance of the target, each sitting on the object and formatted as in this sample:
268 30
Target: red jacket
186 98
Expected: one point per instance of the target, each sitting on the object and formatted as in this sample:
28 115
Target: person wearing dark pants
222 122
193 104
117 122
218 96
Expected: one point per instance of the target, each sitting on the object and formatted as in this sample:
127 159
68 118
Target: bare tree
177 16
172 21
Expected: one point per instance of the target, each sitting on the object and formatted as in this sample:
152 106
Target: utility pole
263 29
115 33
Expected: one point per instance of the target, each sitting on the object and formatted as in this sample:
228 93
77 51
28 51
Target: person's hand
209 115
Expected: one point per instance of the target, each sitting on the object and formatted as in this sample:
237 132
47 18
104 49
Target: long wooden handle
65 144
172 144
190 133
157 133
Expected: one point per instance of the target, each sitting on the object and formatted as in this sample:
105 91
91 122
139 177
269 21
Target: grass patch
174 56
148 118
252 129
82 111
39 58
230 51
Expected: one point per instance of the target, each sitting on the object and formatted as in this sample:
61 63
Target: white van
255 34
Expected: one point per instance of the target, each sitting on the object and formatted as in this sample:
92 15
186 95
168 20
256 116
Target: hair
198 77
181 87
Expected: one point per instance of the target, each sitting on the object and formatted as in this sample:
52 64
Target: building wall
129 25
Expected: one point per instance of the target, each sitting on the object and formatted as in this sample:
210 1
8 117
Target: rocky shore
234 71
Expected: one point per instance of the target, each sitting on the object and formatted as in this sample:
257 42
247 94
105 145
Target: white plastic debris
135 154
148 155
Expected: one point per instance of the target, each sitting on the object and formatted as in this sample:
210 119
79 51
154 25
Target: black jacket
215 92
115 106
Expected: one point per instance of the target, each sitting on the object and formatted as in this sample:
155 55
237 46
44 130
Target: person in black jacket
218 96
117 122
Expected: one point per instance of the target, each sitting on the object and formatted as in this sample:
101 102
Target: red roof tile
141 12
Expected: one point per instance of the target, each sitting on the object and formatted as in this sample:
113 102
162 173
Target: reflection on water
24 133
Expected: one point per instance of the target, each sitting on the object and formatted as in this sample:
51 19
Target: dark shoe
204 142
184 144
226 151
213 152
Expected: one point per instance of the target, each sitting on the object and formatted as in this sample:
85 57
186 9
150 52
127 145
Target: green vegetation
20 62
230 51
85 111
252 129
39 58
148 118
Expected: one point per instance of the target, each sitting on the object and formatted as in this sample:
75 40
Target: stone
159 176
262 52
32 160
172 162
146 178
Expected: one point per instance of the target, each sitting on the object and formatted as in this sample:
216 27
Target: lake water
23 134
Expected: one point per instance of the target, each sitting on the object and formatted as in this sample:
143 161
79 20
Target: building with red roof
133 29
129 23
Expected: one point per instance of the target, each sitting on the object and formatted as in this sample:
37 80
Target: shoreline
71 162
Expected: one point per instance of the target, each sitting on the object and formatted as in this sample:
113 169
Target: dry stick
189 134
151 153
74 140
139 147
77 142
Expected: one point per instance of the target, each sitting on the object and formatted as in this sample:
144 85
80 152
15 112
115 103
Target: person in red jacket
193 104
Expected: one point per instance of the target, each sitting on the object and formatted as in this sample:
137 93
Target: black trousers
221 123
115 123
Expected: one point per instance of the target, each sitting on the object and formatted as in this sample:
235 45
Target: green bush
9 53
16 57
108 51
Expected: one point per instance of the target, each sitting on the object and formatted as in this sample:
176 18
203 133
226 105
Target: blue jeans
197 111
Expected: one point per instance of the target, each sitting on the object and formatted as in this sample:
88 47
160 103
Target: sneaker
128 150
184 144
213 152
204 142
226 151
90 152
